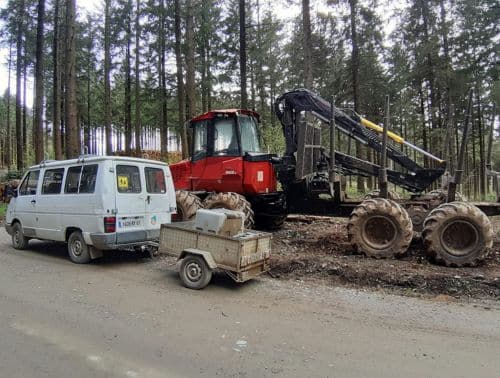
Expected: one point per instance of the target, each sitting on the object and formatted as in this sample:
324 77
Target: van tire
77 248
19 241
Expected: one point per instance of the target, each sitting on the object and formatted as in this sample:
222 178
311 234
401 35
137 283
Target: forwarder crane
228 169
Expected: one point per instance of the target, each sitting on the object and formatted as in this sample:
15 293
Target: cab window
155 180
29 184
200 140
249 134
225 137
128 179
52 181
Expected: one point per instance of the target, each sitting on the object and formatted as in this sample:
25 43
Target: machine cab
226 155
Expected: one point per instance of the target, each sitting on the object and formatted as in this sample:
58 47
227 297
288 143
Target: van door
48 206
26 202
157 200
130 203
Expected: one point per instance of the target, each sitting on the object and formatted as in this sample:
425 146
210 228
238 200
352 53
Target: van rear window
128 179
52 181
155 180
81 179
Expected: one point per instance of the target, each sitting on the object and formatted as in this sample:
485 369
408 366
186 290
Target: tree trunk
56 88
19 62
8 148
180 82
243 56
128 83
190 66
137 80
107 84
38 111
307 44
162 81
72 129
25 108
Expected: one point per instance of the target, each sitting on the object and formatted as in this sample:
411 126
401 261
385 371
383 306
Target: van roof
94 158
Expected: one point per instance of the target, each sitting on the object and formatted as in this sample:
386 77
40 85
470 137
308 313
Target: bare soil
309 249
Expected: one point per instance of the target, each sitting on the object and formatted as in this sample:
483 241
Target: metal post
383 158
457 178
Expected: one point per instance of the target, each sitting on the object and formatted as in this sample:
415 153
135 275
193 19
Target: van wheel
77 248
195 273
19 241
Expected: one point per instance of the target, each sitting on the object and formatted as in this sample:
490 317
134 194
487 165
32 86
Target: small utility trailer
242 254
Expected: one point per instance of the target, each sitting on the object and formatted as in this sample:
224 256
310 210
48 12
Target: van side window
87 182
28 186
155 180
52 181
72 179
128 179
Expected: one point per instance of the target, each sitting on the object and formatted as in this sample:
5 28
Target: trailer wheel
380 228
187 205
376 194
231 201
77 248
19 241
194 272
457 234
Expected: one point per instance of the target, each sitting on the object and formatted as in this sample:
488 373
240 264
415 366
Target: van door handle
33 201
148 199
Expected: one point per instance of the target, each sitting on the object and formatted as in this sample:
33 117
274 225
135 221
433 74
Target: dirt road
126 316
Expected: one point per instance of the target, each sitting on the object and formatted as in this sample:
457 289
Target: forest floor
316 249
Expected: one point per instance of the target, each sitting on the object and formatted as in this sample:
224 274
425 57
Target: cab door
130 203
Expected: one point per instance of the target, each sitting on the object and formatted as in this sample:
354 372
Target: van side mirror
15 193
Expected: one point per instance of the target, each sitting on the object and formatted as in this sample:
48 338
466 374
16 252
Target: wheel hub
459 237
193 271
77 248
379 232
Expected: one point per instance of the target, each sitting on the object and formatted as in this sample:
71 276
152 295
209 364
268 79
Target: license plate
129 222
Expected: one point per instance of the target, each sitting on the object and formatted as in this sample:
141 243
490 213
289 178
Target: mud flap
94 252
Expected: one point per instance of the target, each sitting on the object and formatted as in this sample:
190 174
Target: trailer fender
207 256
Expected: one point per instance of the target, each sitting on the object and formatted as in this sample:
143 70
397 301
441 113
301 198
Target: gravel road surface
125 316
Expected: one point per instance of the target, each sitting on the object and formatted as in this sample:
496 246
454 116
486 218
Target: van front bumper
123 239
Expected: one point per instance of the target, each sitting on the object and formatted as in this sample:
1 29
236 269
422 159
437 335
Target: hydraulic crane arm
288 108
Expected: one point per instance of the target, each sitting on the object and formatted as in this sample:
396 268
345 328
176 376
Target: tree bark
128 82
38 111
243 56
56 88
8 148
19 62
107 84
190 67
307 44
137 79
180 80
72 129
162 81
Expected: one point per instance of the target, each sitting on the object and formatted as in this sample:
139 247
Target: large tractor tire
231 201
457 234
380 228
187 205
376 194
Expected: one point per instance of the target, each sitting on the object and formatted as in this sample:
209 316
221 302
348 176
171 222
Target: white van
93 203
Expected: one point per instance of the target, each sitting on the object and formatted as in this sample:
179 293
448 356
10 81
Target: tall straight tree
137 86
56 84
180 79
128 80
8 147
38 112
162 78
307 45
72 129
243 56
107 73
190 63
19 63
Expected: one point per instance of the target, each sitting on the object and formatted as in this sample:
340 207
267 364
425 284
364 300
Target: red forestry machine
228 169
